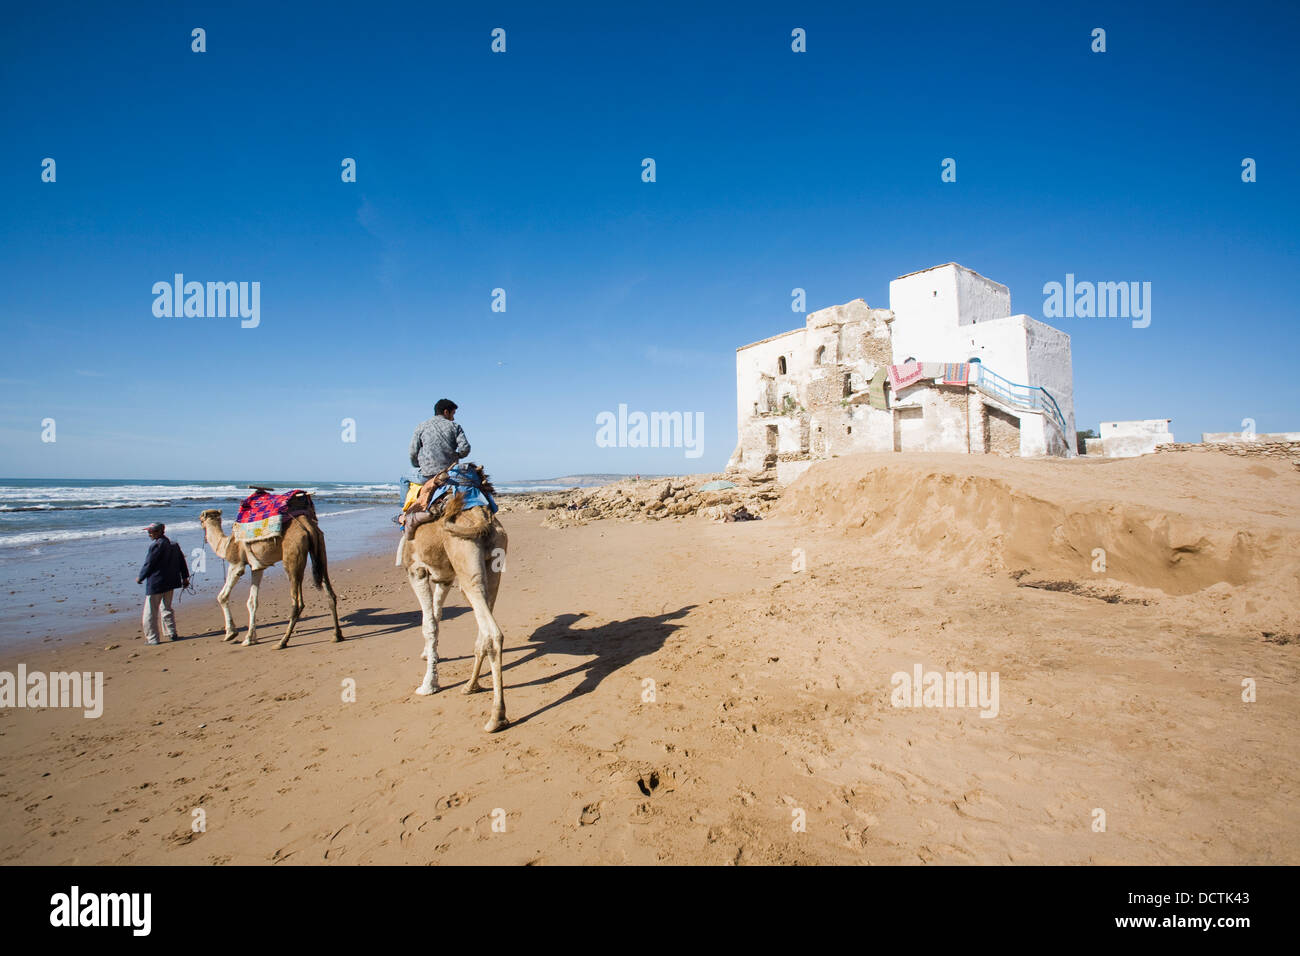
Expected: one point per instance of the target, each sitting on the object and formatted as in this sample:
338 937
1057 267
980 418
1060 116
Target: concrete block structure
804 395
1130 439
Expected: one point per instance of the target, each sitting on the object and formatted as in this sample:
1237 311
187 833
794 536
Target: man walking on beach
439 442
163 572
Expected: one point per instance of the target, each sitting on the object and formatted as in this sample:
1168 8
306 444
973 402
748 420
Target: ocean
70 549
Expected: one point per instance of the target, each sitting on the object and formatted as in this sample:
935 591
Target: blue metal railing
1032 397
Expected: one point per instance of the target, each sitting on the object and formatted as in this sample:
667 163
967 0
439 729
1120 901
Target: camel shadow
388 621
615 646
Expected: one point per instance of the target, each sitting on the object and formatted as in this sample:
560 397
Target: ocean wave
98 507
56 537
29 538
111 492
18 499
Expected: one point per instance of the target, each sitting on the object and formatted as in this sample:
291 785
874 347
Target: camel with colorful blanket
271 528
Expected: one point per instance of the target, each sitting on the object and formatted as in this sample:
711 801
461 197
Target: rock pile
651 499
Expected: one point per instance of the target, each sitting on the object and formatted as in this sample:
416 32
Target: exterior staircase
1032 398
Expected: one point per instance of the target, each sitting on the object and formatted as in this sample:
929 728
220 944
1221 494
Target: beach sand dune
688 691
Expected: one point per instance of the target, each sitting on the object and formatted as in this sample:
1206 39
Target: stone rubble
649 499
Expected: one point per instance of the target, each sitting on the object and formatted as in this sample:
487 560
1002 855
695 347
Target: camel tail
316 551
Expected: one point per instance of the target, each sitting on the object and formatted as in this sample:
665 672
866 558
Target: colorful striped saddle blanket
956 373
264 515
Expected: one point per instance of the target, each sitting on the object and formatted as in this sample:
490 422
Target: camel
302 538
466 546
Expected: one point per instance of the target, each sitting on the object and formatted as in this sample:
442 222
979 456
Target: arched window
910 358
976 361
821 355
780 365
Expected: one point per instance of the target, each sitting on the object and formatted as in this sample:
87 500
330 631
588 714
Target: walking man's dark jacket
164 567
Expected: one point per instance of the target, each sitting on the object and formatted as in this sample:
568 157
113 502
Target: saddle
417 511
433 500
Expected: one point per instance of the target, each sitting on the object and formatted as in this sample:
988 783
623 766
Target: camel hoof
247 642
472 688
424 690
492 726
229 637
282 645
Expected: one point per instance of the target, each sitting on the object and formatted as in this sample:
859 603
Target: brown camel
302 538
466 546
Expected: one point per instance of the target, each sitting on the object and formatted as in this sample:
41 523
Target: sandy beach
691 691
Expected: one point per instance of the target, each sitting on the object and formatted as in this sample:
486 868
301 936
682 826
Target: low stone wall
1279 450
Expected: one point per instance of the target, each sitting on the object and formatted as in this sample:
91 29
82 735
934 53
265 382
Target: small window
935 293
976 361
780 365
821 355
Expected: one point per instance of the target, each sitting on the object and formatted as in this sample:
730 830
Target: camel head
211 514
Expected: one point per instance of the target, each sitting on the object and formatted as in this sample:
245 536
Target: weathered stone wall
1001 432
1277 450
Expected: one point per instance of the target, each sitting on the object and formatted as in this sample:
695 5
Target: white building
804 394
1130 439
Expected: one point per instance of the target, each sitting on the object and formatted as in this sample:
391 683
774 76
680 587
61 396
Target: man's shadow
615 646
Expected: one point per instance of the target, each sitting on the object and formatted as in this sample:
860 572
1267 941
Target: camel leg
479 653
439 598
251 637
493 585
233 574
334 609
488 643
329 589
295 590
423 589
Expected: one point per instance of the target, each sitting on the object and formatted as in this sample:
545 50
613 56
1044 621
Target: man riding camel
437 447
439 442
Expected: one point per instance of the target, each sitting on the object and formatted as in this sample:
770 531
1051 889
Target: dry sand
1119 691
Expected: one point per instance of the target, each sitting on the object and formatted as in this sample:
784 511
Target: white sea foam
53 537
30 538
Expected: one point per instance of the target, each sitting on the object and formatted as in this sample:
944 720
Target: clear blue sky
523 171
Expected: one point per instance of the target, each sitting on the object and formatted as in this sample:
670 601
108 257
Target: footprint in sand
451 800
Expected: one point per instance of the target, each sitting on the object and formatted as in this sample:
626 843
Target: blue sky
522 171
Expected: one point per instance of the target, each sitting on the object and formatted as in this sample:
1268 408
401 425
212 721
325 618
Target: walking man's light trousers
159 606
